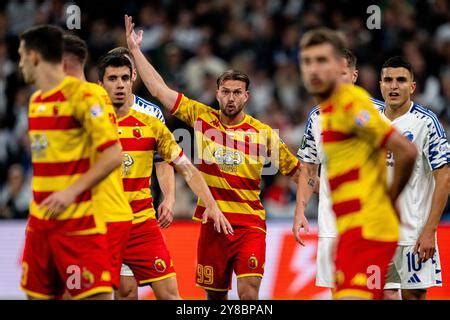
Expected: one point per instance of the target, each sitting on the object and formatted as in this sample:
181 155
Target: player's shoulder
146 119
254 124
313 114
353 93
378 104
148 108
428 116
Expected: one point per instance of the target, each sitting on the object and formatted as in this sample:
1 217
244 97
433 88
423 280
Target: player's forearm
439 199
166 179
153 80
307 181
107 161
197 183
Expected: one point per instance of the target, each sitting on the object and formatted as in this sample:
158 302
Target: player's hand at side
426 245
165 213
133 39
300 222
220 222
57 202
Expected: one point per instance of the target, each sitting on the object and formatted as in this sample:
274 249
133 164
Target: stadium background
190 43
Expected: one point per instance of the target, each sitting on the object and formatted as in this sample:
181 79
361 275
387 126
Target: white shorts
407 273
125 271
325 263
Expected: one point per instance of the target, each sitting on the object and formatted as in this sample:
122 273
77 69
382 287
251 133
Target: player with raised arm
416 264
355 137
141 135
65 238
233 148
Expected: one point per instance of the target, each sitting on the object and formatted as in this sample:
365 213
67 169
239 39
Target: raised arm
151 78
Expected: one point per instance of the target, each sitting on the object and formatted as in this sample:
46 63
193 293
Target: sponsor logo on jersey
127 163
96 111
362 118
39 142
409 135
303 145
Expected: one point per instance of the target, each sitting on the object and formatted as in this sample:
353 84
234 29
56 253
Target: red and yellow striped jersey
354 135
142 135
232 159
65 124
109 197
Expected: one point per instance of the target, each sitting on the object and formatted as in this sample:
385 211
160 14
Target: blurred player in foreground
354 140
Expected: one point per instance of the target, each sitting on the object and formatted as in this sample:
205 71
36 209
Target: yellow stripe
43 184
260 229
196 219
173 274
249 275
144 215
346 293
240 208
212 289
92 292
37 295
218 182
76 210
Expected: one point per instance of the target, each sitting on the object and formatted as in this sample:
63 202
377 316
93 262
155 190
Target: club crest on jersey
127 163
160 265
409 135
39 142
96 111
55 110
88 278
227 157
362 118
252 262
137 132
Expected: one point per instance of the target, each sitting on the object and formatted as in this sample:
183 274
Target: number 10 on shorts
205 274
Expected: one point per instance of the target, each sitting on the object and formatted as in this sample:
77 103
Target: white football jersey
311 151
422 127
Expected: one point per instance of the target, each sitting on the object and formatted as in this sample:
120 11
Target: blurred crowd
191 42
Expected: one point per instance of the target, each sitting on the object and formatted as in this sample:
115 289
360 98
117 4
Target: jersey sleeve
99 117
436 147
166 146
367 121
308 147
284 160
188 110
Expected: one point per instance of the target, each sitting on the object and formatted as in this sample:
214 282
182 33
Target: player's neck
49 76
123 110
76 73
232 121
321 98
393 113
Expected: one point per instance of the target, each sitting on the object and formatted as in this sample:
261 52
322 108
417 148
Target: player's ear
134 75
35 57
413 87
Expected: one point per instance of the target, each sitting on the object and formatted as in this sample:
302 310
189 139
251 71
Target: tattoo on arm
311 182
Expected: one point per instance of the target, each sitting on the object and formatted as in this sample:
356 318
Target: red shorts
55 261
117 236
220 254
361 266
146 253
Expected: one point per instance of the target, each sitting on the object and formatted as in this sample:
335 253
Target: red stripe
349 176
386 137
40 196
327 109
246 126
220 137
106 145
294 170
141 144
135 184
177 103
346 207
231 195
55 97
131 121
232 180
53 123
237 219
141 205
48 169
334 136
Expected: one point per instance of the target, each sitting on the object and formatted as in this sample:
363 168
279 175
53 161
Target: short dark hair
45 39
124 52
233 75
319 36
351 58
76 46
112 60
398 62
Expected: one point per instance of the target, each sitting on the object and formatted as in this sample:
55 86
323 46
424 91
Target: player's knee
391 294
126 292
248 291
167 294
216 295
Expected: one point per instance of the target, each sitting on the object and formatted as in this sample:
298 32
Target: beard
231 111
